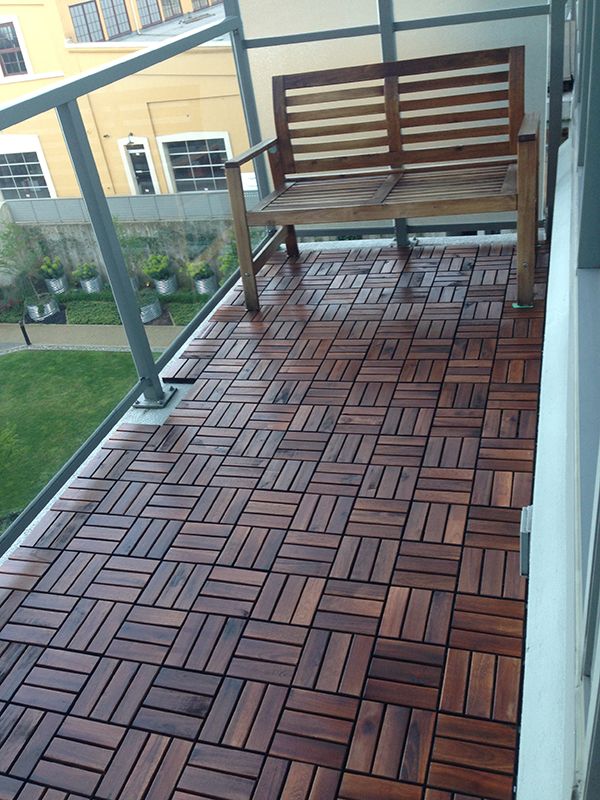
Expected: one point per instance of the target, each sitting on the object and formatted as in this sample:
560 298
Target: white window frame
179 137
28 143
129 173
4 19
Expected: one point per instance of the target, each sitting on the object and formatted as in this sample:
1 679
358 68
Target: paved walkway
84 336
306 583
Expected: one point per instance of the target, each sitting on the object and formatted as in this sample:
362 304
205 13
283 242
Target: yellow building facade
167 129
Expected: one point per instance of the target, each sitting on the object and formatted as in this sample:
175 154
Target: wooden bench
418 138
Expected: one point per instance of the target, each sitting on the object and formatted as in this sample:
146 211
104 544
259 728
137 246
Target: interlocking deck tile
305 584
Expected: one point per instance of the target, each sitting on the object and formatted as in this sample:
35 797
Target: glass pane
171 8
216 144
115 17
149 12
23 172
177 147
86 22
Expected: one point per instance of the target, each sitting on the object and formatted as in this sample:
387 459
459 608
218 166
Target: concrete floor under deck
305 584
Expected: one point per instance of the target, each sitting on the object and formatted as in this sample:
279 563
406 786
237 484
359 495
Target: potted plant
42 307
89 278
203 277
53 273
149 305
158 269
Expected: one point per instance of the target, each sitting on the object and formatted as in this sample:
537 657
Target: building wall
195 92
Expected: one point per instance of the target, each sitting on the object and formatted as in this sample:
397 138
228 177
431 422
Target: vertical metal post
557 53
385 10
244 75
583 75
588 256
91 190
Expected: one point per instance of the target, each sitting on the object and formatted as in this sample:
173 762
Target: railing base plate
143 402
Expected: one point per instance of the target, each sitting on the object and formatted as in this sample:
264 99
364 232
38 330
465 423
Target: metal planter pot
41 311
206 285
91 285
150 312
57 285
167 285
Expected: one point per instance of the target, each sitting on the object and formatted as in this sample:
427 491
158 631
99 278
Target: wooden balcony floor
306 583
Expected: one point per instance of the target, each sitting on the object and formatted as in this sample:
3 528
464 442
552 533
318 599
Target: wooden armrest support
251 153
529 127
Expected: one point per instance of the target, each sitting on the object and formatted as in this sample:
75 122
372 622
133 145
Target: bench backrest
421 111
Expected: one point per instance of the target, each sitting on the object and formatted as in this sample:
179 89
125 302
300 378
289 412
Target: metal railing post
80 151
583 76
588 256
385 10
557 51
244 75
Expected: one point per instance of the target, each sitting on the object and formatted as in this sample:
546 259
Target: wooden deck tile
305 584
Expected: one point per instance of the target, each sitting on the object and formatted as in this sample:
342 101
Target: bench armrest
529 127
251 153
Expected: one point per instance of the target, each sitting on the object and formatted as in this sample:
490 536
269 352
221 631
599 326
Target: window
86 22
197 164
115 17
21 176
142 173
149 12
171 8
11 56
197 5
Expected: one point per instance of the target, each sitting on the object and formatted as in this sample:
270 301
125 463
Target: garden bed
79 308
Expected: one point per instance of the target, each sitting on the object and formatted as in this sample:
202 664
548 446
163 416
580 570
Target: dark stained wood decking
306 583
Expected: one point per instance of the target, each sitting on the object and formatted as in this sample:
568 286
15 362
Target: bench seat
411 193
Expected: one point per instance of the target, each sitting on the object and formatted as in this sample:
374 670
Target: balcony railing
63 99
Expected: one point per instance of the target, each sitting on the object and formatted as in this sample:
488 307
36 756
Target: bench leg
242 239
526 223
291 242
247 270
401 233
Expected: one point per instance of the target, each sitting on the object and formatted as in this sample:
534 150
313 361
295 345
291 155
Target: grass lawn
50 402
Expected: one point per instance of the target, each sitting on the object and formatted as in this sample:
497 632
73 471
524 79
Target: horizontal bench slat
414 66
336 113
349 144
462 133
336 130
359 93
431 154
469 99
347 162
454 117
453 82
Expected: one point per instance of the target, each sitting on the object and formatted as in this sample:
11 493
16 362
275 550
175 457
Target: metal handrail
50 98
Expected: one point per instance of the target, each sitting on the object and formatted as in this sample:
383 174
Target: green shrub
228 263
51 268
93 312
198 270
85 272
183 296
146 296
11 313
77 296
183 313
157 267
